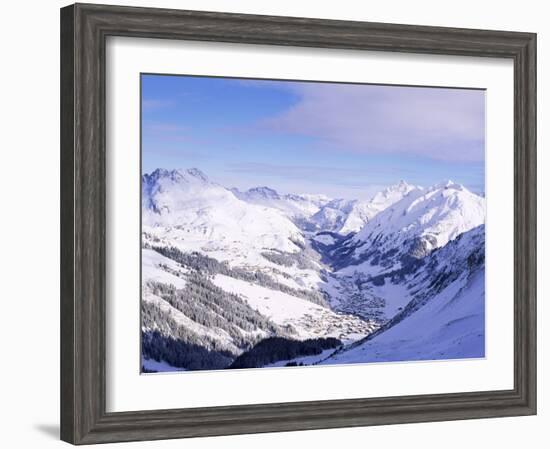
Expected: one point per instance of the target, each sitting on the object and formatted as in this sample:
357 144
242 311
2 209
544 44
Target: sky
343 140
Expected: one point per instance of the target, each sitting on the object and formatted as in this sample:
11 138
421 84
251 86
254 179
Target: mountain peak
161 174
447 184
264 192
401 187
393 193
176 175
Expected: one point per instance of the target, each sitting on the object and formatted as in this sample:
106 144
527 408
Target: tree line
275 349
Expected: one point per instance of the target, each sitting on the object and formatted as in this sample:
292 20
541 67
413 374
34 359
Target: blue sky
343 140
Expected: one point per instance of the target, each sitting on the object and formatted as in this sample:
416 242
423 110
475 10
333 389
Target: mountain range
256 278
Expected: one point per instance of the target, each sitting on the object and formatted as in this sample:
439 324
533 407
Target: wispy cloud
154 104
172 132
332 181
164 127
178 155
350 177
444 124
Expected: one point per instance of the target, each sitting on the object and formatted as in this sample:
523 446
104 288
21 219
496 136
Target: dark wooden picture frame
84 29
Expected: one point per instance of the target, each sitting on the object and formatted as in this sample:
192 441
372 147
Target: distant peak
401 186
264 191
159 173
178 175
448 184
162 173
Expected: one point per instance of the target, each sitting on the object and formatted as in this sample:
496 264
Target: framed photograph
275 223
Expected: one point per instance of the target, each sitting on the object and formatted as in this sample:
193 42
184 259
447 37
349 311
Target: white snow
325 239
152 269
281 307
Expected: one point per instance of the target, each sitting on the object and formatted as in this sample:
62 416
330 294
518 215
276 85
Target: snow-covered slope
157 268
332 216
449 328
445 315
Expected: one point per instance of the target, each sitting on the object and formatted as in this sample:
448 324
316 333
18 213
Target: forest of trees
210 266
164 339
241 336
181 353
301 260
275 349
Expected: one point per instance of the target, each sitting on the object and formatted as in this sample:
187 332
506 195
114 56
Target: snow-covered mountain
349 216
333 215
411 228
227 274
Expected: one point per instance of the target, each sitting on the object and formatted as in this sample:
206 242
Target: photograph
292 223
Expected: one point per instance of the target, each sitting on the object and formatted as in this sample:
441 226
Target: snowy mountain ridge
349 216
423 220
184 205
297 207
224 270
317 212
